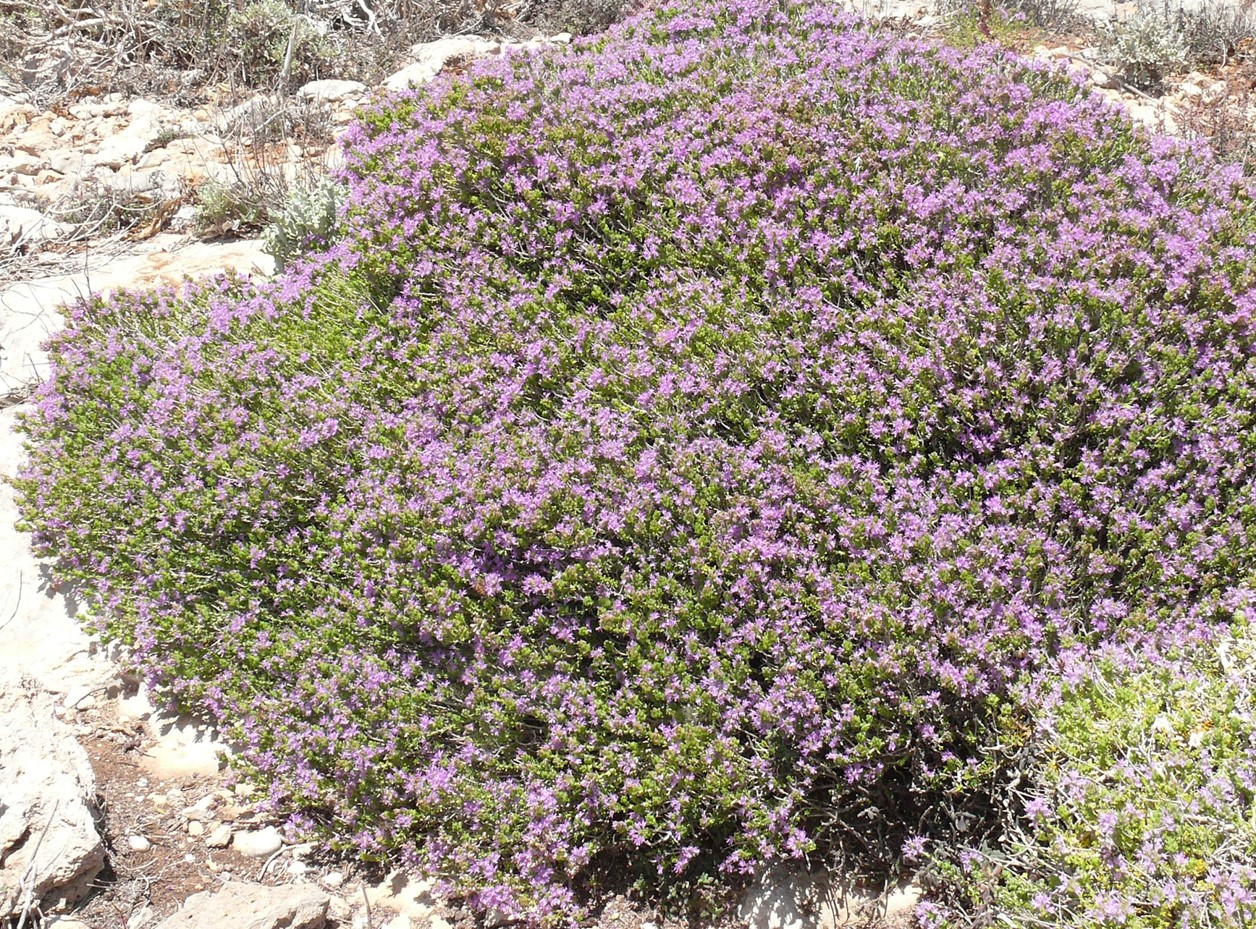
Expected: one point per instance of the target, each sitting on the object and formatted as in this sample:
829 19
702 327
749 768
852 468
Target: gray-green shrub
1147 46
306 222
1139 801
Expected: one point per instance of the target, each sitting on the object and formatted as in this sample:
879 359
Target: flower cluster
698 439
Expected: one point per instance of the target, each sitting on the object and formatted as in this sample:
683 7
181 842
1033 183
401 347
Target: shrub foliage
1138 804
696 442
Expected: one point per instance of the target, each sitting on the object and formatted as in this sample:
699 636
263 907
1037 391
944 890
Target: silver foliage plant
1158 40
306 222
1147 46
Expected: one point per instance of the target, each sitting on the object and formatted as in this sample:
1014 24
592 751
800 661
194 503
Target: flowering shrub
1141 805
696 442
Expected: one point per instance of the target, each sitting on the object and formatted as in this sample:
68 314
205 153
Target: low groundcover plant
691 457
1138 805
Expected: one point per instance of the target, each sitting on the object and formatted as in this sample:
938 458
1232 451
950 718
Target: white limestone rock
65 922
49 847
120 149
252 906
429 58
220 837
258 843
20 224
1108 80
408 895
782 898
65 161
183 748
331 91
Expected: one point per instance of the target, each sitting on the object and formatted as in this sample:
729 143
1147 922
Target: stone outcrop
49 847
412 898
331 91
429 58
25 228
782 898
252 906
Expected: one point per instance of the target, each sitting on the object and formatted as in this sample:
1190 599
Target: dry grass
1224 115
177 50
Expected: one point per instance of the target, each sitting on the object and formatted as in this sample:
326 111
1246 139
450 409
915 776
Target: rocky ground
114 815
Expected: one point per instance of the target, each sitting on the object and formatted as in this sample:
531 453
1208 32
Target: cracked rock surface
49 847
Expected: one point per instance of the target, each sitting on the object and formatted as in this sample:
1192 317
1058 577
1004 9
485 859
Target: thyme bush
692 453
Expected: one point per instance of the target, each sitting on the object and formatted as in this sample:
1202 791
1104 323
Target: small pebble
339 911
201 809
220 837
333 879
80 698
261 843
138 843
196 828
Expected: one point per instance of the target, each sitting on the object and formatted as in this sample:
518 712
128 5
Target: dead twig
28 877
